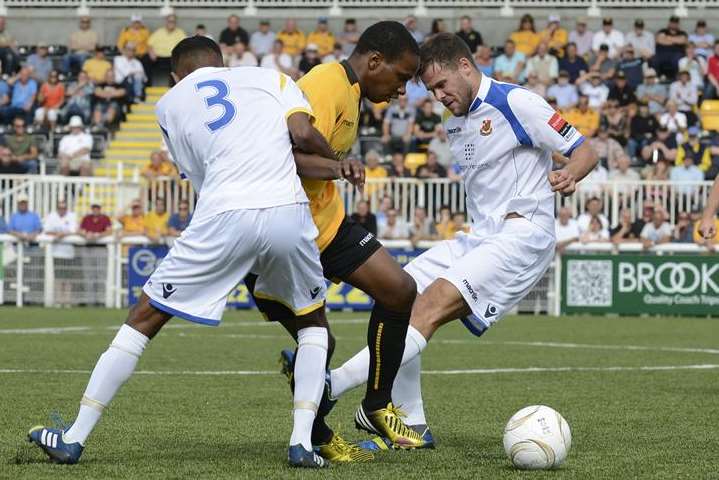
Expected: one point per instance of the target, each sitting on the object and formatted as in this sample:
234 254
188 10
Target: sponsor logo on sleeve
561 126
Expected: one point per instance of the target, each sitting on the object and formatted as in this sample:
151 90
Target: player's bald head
193 53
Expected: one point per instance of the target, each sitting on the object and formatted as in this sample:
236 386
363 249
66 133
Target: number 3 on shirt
219 98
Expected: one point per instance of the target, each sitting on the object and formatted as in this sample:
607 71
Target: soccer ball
537 438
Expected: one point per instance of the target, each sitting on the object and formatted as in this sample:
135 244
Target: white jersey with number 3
226 129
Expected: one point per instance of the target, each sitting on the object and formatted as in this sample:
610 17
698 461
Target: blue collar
475 105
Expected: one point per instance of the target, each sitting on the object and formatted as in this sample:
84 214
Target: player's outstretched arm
306 137
321 168
581 162
707 227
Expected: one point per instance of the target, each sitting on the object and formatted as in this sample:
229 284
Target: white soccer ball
537 438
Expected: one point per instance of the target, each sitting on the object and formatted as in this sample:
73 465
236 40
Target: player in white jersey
231 132
502 137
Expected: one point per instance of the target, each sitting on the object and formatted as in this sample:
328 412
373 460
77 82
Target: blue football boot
52 442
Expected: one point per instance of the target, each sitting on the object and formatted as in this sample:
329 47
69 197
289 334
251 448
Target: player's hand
353 172
707 228
562 181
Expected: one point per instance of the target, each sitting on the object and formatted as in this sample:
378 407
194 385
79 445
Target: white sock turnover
407 391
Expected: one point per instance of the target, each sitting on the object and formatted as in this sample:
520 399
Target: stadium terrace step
144 108
143 117
143 135
126 144
138 127
156 90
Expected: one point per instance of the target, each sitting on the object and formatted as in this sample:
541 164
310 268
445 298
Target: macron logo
452 131
366 239
471 291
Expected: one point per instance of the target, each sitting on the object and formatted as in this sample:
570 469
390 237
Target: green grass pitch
654 417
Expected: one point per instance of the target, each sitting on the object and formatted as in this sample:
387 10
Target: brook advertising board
639 284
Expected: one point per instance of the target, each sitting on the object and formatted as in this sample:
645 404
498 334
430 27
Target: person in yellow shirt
156 221
583 118
137 34
526 38
160 45
294 40
159 166
322 37
373 170
699 152
134 223
385 58
555 36
97 66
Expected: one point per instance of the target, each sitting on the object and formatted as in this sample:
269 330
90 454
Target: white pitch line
610 347
477 371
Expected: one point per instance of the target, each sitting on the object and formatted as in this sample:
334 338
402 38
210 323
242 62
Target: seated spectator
544 64
583 118
134 223
566 229
22 99
156 221
596 232
240 57
5 92
653 92
24 224
440 146
632 67
130 74
642 128
661 147
39 63
384 206
9 58
95 225
670 44
232 34
373 170
684 229
684 94
179 221
601 63
510 64
50 99
703 40
672 119
609 36
278 60
137 34
459 223
534 85
411 24
73 152
641 40
431 169
364 217
20 154
526 37
425 125
336 55
159 166
621 91
310 59
438 26
596 181
696 65
422 227
608 150
293 39
109 98
261 41
81 47
657 231
581 37
712 86
97 66
555 36
658 172
693 147
572 63
3 225
686 172
623 173
395 228
201 31
595 90
483 60
398 125
322 37
79 98
349 36
627 231
160 45
614 122
593 208
564 92
398 169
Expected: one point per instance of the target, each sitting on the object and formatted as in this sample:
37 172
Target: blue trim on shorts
183 315
574 146
474 325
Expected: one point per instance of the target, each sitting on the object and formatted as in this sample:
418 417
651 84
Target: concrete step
142 135
156 90
141 117
129 144
143 108
138 127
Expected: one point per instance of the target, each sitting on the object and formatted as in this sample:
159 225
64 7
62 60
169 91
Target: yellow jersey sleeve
326 108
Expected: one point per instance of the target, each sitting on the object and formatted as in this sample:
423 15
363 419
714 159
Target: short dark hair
195 51
444 49
388 38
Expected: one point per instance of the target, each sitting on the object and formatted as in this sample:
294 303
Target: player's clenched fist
562 181
707 228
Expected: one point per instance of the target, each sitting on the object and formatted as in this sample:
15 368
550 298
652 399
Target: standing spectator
641 129
293 40
156 221
108 99
79 98
22 100
425 125
632 67
438 26
526 37
411 24
74 150
397 126
95 225
555 36
544 65
652 92
159 166
398 169
422 227
661 147
703 40
58 225
510 64
241 57
582 38
671 42
81 46
416 93
137 34
179 221
322 37
696 65
566 229
712 88
613 39
572 63
627 231
608 151
686 172
431 169
232 34
364 217
349 36
160 45
604 64
593 209
310 59
595 233
278 60
261 41
373 170
641 40
440 146
9 58
97 66
564 92
656 232
684 229
621 91
673 119
134 223
594 90
466 32
395 228
130 74
483 60
50 99
583 118
24 224
40 63
693 147
21 155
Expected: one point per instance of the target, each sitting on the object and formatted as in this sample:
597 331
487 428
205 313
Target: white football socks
309 376
407 391
112 370
354 371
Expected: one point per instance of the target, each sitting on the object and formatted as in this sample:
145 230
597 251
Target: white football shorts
492 272
213 255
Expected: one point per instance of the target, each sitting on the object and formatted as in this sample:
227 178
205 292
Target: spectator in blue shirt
40 63
179 221
510 65
24 91
3 225
4 101
24 224
572 63
564 92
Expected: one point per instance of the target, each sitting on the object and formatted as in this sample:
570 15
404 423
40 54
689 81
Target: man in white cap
74 150
310 58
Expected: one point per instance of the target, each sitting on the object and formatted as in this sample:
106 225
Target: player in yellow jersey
385 58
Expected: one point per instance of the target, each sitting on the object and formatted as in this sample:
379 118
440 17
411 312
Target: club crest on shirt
561 126
486 128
